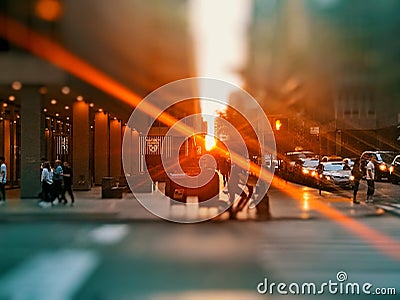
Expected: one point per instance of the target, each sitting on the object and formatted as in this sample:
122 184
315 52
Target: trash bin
109 188
204 193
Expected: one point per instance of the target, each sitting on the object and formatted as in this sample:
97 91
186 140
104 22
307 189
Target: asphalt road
212 260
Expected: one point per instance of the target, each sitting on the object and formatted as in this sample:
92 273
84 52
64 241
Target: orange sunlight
59 56
210 142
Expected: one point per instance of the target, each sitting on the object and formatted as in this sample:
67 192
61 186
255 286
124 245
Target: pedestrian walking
250 184
224 168
346 164
42 162
320 177
3 180
357 174
67 176
370 176
47 182
233 189
57 183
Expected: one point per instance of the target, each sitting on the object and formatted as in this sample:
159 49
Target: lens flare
210 142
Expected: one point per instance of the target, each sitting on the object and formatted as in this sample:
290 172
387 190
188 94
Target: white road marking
386 207
208 294
109 234
49 275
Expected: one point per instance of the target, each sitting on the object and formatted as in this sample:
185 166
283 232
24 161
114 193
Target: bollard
109 189
263 209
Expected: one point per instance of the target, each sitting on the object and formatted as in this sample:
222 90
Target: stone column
81 146
101 147
135 153
31 137
2 136
115 148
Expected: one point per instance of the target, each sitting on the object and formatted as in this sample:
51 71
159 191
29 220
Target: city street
388 197
80 259
199 149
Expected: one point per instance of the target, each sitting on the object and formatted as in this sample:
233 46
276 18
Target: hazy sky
219 29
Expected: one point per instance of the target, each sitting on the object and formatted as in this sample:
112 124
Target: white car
335 174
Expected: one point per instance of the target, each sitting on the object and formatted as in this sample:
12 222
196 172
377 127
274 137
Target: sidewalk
90 207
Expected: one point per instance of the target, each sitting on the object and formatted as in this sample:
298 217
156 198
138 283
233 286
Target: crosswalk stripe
49 275
390 207
109 234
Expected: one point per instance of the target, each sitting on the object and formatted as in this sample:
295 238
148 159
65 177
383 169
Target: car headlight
305 171
391 169
313 173
327 177
351 177
382 167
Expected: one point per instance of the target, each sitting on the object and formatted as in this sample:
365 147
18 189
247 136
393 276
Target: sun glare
210 142
220 46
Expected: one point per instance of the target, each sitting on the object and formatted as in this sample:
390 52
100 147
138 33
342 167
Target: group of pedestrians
56 182
224 166
235 188
364 169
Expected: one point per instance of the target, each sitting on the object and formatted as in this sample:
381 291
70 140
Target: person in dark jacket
57 183
357 174
67 175
233 189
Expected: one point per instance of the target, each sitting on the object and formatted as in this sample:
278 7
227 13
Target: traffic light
281 124
278 124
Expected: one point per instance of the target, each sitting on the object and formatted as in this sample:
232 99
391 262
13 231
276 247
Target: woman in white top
47 181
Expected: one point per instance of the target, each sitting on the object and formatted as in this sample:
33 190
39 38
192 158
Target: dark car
306 171
293 160
383 161
394 170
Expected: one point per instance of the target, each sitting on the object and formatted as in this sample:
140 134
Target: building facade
330 64
72 73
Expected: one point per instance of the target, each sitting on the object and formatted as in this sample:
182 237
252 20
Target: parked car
295 155
334 174
291 160
394 170
383 161
331 158
305 173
